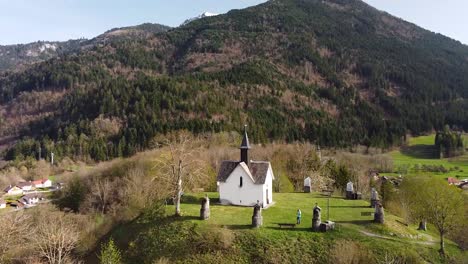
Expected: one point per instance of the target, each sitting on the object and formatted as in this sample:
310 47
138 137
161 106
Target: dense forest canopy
338 73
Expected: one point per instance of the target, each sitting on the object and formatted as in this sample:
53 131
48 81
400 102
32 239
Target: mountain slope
20 56
336 72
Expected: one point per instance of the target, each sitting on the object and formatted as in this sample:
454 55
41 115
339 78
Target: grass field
284 210
421 151
345 213
158 237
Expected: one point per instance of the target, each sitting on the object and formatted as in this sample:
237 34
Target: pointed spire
245 140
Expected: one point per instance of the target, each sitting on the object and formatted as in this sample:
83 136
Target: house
25 186
245 182
13 190
42 183
453 181
3 203
30 199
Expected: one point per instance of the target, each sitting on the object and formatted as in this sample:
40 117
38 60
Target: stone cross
316 219
349 190
257 219
205 208
374 197
423 225
379 213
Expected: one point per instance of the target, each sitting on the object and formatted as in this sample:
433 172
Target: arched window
240 182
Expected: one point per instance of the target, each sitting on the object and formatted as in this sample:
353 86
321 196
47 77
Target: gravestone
257 219
422 226
357 196
316 219
374 197
205 208
379 213
308 185
349 190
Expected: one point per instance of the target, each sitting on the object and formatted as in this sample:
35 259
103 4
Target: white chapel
245 182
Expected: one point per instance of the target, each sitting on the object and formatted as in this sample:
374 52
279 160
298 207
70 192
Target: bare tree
140 191
15 228
301 164
179 167
102 192
55 236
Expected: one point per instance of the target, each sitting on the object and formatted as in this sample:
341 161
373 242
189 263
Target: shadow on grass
351 206
421 151
184 218
356 222
238 227
191 199
296 229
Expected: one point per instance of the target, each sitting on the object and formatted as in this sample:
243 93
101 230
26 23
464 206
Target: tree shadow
295 229
351 206
238 227
356 222
191 199
421 151
185 218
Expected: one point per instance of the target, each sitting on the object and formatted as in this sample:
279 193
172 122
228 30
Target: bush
349 252
211 239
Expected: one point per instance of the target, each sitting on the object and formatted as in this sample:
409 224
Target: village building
245 182
3 203
31 199
42 183
13 190
453 181
25 186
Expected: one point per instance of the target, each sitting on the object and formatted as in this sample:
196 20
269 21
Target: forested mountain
336 72
18 57
14 57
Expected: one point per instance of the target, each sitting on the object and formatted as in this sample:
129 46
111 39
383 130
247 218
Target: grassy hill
340 73
228 237
420 151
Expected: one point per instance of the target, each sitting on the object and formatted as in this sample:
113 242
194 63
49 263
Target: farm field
420 152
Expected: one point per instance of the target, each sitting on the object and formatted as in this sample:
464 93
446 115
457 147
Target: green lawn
158 236
283 211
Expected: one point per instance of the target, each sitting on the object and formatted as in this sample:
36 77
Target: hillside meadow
420 151
124 199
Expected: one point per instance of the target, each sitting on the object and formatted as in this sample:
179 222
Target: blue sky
23 21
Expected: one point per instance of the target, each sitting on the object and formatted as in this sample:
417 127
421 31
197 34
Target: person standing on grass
299 215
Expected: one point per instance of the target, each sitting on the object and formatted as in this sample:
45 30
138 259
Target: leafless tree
15 228
55 237
101 190
179 167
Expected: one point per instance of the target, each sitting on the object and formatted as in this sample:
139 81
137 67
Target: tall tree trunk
179 189
442 244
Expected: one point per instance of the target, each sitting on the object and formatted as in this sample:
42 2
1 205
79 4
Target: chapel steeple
245 146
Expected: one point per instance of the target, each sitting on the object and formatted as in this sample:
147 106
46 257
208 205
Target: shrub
349 252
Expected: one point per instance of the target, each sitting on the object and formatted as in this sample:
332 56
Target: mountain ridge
20 56
338 73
